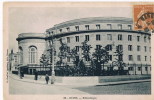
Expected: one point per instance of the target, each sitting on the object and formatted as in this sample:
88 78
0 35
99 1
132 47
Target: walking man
47 78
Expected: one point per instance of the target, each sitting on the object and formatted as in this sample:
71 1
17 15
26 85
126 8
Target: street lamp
51 50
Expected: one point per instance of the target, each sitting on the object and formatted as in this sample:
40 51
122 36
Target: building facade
99 31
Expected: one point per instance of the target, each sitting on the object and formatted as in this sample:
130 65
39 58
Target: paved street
22 87
133 88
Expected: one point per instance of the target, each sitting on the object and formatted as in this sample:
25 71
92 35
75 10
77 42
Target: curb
99 84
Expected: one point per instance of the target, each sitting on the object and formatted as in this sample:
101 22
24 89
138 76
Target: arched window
20 55
32 55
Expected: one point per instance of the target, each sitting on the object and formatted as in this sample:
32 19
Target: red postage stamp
144 17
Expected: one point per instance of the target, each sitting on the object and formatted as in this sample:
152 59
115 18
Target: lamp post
51 50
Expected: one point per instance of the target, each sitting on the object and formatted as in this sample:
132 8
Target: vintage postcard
78 51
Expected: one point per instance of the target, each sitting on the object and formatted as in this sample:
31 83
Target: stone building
98 31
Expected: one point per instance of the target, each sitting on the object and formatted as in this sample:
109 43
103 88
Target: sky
38 19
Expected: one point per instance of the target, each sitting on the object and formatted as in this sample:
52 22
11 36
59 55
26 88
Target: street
22 87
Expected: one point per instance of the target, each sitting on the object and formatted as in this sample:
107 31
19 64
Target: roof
92 20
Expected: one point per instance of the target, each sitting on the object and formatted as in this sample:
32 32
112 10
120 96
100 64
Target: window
87 58
87 27
87 37
145 58
60 30
149 49
130 48
109 37
130 57
98 47
119 36
129 37
138 38
77 38
77 28
68 59
109 26
68 49
129 27
145 39
68 39
77 48
130 68
110 57
32 55
21 55
139 68
145 48
146 68
68 29
138 57
138 48
120 57
109 47
98 37
119 26
98 26
120 47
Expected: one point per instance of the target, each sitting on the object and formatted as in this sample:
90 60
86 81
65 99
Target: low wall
94 80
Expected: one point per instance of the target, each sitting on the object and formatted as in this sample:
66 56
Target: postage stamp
144 17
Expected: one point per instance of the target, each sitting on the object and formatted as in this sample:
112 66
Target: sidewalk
41 80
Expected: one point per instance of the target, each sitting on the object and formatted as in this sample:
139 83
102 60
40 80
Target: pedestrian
47 78
21 74
36 75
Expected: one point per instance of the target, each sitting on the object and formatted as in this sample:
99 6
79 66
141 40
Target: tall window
77 28
98 47
68 29
119 26
138 48
129 37
110 57
87 27
60 30
98 26
145 58
109 37
68 59
109 26
109 47
129 27
119 36
120 47
77 48
98 37
77 38
130 48
32 55
130 57
145 48
68 39
21 55
68 49
138 38
120 57
145 39
87 37
138 57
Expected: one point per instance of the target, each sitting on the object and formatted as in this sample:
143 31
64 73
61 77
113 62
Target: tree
63 52
44 61
100 56
119 60
86 50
